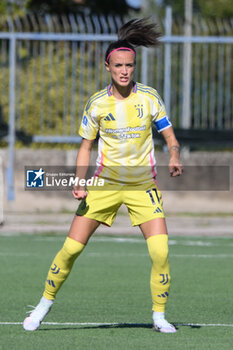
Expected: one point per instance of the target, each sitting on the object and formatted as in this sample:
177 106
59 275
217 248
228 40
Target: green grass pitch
107 301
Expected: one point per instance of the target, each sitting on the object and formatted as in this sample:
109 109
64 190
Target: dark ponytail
136 32
139 32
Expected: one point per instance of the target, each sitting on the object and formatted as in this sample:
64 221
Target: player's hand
175 167
79 193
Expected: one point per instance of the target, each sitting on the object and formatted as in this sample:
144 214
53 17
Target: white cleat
32 322
162 326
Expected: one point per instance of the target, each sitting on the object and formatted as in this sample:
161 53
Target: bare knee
82 228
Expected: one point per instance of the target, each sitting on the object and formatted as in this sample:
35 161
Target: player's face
121 67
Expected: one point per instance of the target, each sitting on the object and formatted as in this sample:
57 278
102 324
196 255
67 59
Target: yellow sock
61 267
160 272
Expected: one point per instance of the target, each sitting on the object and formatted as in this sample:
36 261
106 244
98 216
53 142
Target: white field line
173 242
115 324
17 254
212 256
96 239
117 255
20 254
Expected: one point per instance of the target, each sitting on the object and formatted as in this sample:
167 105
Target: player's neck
121 92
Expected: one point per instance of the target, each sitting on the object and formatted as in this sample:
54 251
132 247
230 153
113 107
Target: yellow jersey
125 132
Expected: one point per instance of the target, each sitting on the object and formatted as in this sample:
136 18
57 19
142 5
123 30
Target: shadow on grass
111 326
103 326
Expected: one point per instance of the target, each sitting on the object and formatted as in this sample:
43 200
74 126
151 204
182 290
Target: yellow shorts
143 204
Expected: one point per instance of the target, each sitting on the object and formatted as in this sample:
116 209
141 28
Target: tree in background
106 6
206 8
74 6
217 8
55 6
12 7
21 7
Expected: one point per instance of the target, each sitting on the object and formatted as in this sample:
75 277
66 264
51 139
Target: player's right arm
82 164
88 131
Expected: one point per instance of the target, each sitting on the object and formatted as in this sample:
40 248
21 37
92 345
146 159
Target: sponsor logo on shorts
157 210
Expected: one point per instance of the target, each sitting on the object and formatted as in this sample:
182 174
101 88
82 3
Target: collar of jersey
110 85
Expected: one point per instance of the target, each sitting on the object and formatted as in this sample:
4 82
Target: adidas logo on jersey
109 117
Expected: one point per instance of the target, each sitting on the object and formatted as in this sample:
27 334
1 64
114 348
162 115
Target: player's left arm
175 166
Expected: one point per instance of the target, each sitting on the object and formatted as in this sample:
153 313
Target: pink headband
120 48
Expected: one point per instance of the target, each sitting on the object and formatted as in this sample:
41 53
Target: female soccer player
123 114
